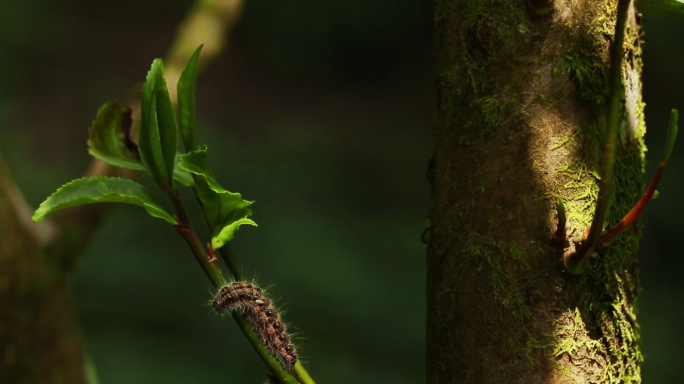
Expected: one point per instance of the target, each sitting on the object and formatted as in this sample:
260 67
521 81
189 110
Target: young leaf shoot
186 103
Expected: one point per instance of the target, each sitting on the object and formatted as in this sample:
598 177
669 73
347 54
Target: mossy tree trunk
522 107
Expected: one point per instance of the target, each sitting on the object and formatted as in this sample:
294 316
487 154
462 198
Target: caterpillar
250 301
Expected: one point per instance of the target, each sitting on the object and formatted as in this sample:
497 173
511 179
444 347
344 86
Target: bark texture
522 90
39 337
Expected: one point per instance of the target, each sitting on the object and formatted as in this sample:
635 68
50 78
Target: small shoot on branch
225 211
609 235
186 103
158 138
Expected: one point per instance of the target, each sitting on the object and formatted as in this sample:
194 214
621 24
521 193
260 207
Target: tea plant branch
226 251
188 233
214 274
211 270
576 262
302 375
223 210
208 21
157 154
186 116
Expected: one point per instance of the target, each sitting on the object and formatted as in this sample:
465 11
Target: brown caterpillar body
250 301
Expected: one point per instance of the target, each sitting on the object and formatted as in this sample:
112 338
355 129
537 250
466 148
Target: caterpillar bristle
250 301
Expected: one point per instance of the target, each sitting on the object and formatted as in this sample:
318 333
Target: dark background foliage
322 113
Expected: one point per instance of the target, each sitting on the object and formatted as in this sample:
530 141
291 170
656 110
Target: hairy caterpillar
250 301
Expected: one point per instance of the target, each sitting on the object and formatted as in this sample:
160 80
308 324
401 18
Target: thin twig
212 271
576 262
609 235
188 233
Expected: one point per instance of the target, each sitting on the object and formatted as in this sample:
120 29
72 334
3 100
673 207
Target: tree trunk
40 341
522 89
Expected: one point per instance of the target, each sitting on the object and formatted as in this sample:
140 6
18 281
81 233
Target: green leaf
158 139
109 141
186 102
168 128
217 202
225 211
663 7
109 138
225 232
149 144
671 135
102 190
183 176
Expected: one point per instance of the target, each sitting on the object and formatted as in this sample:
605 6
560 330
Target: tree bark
39 337
522 89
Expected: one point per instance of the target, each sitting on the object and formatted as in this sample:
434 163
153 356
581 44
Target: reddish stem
610 234
186 230
211 254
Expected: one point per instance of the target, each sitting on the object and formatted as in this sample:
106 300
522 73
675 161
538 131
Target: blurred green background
321 112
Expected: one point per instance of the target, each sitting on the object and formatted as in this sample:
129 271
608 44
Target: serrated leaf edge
158 210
